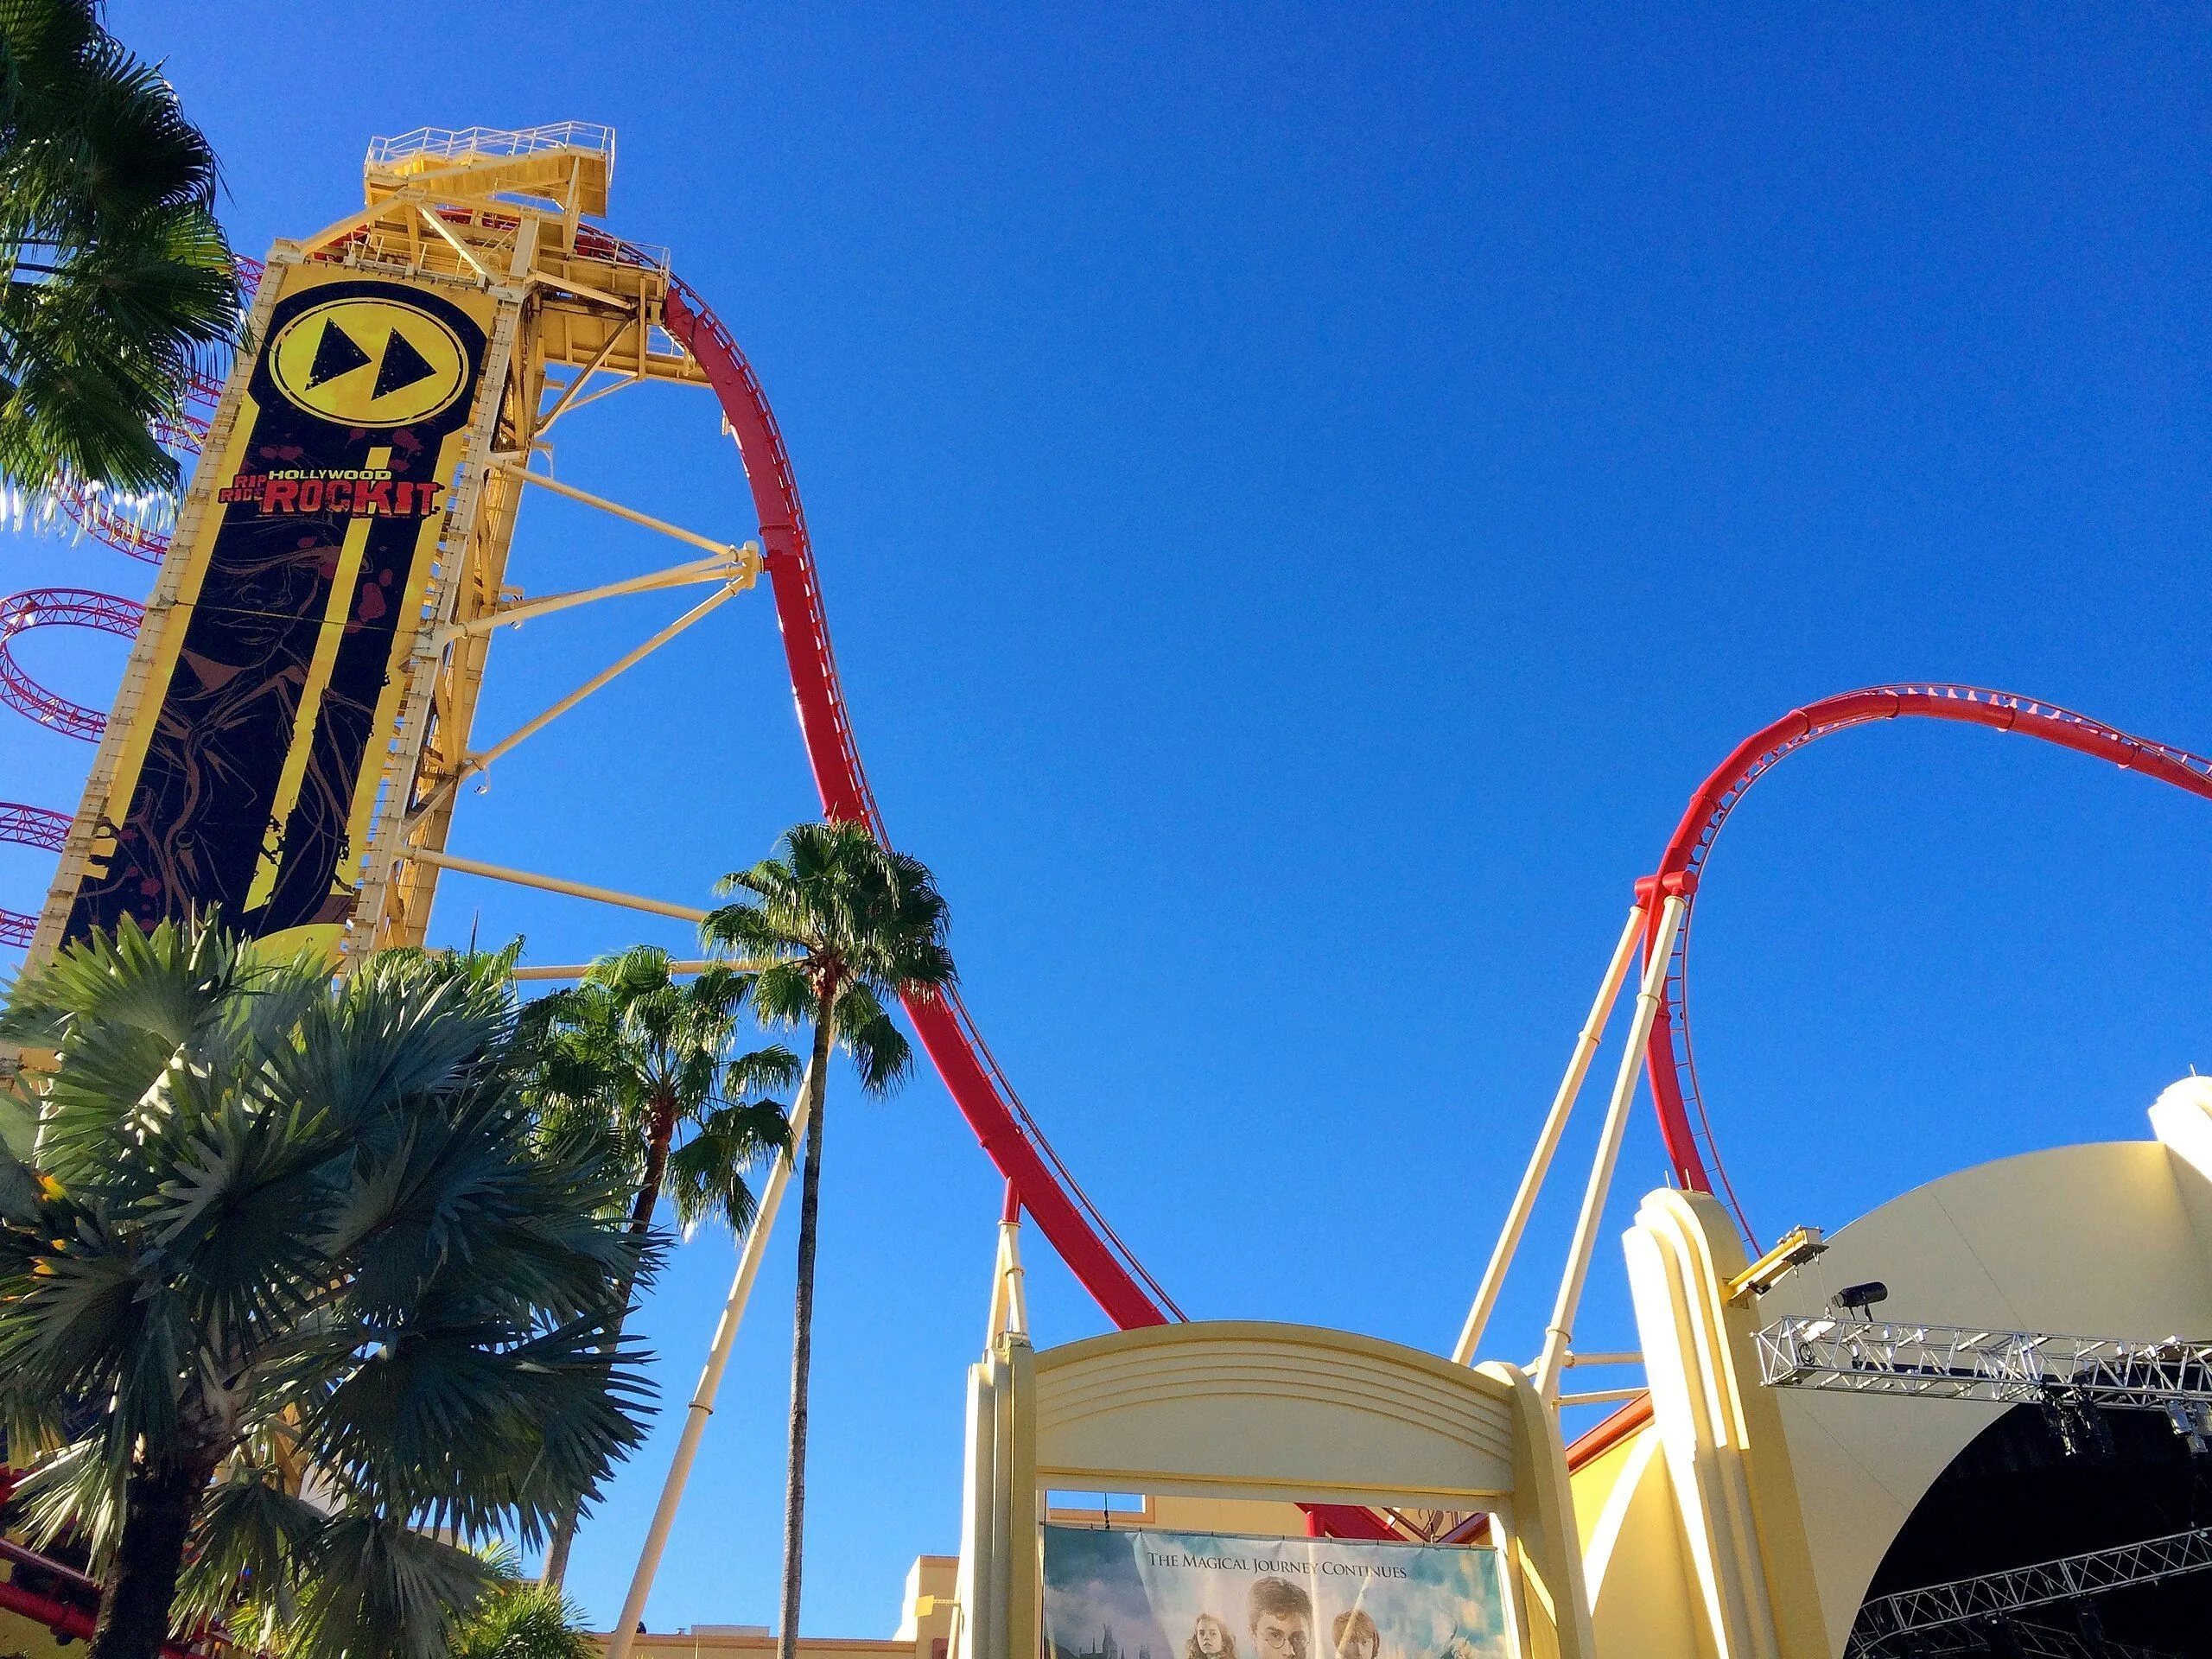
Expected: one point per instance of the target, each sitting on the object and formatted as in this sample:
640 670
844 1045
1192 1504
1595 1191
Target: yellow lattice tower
295 720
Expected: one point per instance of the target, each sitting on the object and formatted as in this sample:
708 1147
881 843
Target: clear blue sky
1303 496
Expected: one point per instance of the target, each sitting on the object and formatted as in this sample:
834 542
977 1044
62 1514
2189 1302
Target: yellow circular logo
368 362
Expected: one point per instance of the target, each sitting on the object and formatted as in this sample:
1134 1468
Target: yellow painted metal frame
496 215
460 207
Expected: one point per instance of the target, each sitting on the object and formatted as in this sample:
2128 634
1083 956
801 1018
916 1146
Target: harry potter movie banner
250 773
1115 1594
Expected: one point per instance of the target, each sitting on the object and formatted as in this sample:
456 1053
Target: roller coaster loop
1669 1058
1104 1266
64 608
28 826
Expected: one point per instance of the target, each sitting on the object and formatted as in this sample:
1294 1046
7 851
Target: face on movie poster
1112 1594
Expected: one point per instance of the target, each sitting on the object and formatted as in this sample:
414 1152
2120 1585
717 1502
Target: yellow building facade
1739 1510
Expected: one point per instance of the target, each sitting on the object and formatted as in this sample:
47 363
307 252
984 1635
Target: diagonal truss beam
554 884
479 761
546 481
1882 1621
568 398
739 571
429 215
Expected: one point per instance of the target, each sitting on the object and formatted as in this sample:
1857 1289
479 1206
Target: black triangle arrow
335 354
403 366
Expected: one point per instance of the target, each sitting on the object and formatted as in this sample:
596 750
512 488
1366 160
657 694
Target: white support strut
702 1397
481 760
546 481
1559 1335
552 884
1540 1162
741 572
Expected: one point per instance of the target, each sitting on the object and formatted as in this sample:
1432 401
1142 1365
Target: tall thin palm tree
836 927
647 1065
272 1222
119 283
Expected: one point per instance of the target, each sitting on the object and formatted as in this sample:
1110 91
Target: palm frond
270 1217
254 1540
882 1056
131 285
379 1585
520 1620
707 1174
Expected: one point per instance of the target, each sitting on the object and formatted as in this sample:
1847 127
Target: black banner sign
251 786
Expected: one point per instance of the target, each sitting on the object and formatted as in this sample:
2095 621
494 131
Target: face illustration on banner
1282 1619
1116 1594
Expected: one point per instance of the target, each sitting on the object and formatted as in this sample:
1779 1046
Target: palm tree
273 1224
521 1619
118 282
643 1063
836 927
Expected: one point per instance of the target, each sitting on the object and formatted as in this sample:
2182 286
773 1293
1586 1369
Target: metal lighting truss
1884 1626
1945 1361
2026 1637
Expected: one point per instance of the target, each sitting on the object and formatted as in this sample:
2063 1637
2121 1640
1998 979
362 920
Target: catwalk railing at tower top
1670 1059
455 143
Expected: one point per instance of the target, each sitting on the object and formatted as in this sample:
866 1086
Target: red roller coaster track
28 826
1101 1263
1099 1260
43 608
1668 1057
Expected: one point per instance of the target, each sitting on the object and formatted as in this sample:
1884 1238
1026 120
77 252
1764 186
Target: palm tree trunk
159 1504
810 1196
656 1145
556 1553
641 1220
